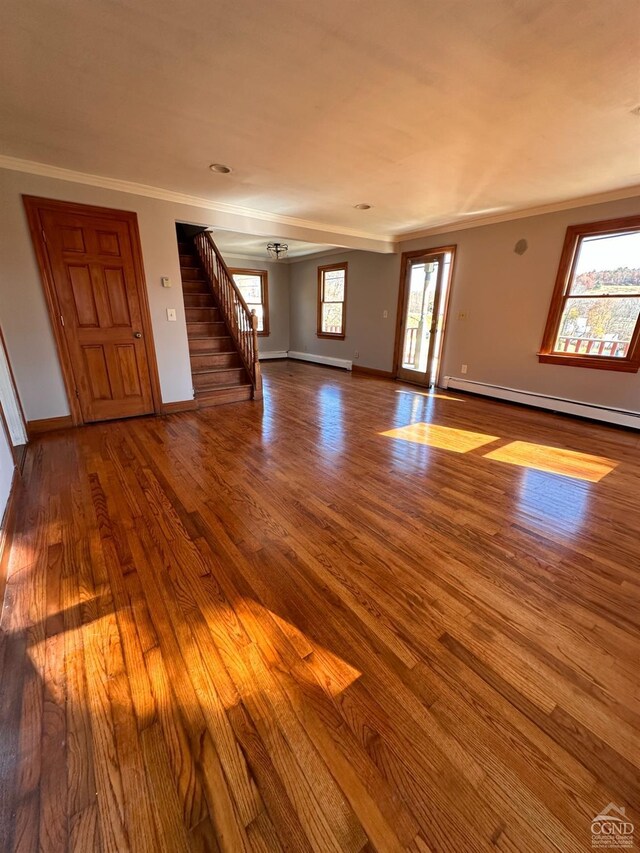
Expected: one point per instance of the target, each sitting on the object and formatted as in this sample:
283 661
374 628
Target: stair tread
208 352
216 369
210 322
202 391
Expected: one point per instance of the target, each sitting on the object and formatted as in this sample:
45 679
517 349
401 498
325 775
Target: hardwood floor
274 627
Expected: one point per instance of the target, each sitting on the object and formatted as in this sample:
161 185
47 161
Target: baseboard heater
264 356
344 363
619 417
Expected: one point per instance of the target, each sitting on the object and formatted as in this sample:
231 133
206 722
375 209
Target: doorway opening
425 281
11 407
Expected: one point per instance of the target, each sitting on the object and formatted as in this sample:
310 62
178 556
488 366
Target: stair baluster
242 323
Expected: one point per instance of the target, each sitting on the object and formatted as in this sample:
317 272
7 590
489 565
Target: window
332 296
594 319
253 286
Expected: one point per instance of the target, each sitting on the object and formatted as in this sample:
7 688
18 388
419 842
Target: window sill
330 336
595 362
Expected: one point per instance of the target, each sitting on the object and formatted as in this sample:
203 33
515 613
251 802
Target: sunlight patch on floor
430 394
441 437
554 460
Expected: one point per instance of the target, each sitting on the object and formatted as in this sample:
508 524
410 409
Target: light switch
171 315
385 314
165 281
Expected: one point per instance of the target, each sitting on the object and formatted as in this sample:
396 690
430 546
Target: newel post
257 389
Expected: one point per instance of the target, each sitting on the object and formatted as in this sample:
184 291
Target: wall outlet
463 369
356 354
171 315
463 315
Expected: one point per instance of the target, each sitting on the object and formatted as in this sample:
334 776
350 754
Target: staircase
219 375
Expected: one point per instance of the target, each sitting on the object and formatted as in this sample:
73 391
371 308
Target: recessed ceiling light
362 206
220 168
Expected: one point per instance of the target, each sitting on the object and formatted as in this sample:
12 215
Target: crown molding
523 213
46 170
384 243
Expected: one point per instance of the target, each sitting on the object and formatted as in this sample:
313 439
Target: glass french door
427 279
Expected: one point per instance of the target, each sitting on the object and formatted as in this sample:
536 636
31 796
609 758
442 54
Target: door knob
137 334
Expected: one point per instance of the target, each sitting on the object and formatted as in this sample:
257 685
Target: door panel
83 297
129 372
116 291
98 291
97 372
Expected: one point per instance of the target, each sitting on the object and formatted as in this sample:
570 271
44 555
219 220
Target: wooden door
93 268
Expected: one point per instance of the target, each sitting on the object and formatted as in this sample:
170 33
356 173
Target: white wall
372 289
278 282
23 310
506 299
505 296
6 470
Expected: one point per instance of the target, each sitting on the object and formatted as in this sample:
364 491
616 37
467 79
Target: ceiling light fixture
362 206
277 250
220 168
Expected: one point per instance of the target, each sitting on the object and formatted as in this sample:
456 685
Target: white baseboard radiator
344 363
619 417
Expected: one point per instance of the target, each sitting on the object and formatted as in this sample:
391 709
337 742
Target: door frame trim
402 292
33 205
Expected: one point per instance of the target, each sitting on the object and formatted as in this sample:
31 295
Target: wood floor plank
54 829
172 835
299 626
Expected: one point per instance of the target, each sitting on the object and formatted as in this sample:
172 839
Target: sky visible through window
609 252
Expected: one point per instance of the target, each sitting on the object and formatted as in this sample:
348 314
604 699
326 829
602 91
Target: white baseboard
620 417
273 354
321 359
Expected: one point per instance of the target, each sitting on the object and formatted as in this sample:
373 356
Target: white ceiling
430 111
235 244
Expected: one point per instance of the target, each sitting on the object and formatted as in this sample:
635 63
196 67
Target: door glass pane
419 315
434 368
598 326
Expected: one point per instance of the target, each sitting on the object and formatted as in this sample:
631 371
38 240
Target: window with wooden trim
332 300
254 287
594 319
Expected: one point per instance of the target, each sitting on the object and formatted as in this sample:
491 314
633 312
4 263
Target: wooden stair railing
242 323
